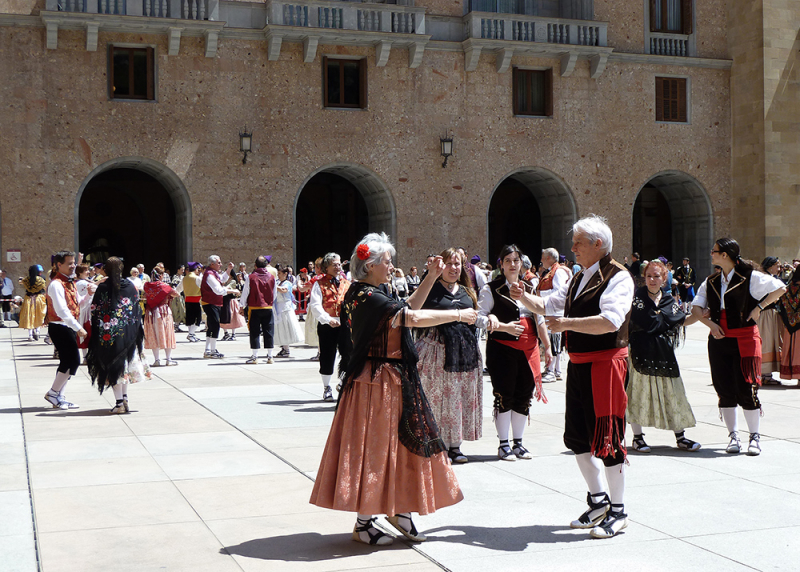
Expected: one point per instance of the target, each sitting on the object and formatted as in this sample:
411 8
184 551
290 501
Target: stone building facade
69 151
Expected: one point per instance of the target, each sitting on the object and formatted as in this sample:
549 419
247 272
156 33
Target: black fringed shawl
460 339
117 332
369 312
654 333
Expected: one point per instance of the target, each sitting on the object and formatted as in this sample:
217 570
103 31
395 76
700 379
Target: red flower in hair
362 252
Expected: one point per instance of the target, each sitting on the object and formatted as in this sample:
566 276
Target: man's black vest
504 307
738 301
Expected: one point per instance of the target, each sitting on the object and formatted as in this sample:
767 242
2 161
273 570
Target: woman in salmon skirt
384 454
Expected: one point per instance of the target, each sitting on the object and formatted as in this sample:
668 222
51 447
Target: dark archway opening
514 218
652 225
534 209
672 217
128 213
331 216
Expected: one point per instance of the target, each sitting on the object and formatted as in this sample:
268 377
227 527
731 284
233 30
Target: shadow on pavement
296 402
661 451
82 413
507 539
305 547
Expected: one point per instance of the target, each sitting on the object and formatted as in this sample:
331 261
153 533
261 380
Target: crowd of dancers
410 376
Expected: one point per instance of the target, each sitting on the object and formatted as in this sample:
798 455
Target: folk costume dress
383 454
115 347
451 369
63 313
770 329
34 304
312 338
789 308
159 327
656 395
85 315
178 305
287 328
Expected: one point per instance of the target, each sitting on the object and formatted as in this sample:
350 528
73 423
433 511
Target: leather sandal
687 444
595 513
411 533
639 444
614 521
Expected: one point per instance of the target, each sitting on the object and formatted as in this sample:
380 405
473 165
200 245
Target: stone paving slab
214 467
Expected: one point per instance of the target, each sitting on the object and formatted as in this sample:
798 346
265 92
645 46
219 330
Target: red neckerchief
70 294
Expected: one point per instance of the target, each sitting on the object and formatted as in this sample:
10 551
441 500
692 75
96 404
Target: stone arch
688 227
171 184
554 212
378 202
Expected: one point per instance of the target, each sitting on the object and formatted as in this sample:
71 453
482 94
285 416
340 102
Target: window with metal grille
131 73
533 92
344 83
671 99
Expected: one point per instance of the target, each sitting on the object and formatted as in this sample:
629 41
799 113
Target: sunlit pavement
213 468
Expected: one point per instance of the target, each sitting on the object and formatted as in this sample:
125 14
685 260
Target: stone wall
602 140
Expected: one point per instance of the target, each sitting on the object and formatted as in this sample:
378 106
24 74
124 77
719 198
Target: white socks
167 351
518 424
156 354
192 330
501 423
117 391
326 382
616 483
60 381
636 428
730 418
269 352
591 469
753 419
211 345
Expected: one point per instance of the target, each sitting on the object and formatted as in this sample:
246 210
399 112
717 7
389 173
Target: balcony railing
346 16
517 28
183 9
669 44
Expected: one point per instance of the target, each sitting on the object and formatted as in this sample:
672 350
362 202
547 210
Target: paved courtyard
213 468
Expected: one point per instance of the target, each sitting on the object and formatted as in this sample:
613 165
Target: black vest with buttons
738 301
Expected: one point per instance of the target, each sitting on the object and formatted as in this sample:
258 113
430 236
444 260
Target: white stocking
61 380
730 418
156 354
192 330
636 428
753 419
326 380
117 391
591 469
518 421
616 483
168 351
501 423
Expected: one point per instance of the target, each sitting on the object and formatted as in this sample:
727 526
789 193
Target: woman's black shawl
117 332
460 339
654 332
368 312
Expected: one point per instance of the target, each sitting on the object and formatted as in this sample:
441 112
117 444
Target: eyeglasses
715 251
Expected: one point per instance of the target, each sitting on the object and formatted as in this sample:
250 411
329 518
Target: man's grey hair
213 259
379 244
595 228
526 262
551 252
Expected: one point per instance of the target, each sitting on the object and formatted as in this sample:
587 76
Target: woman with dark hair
115 349
512 353
287 328
63 326
789 308
159 327
735 298
656 396
82 282
770 329
450 365
34 305
384 454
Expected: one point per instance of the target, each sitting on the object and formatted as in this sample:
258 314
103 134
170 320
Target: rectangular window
533 92
345 83
671 16
131 73
671 99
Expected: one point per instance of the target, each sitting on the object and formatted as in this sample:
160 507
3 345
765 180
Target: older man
325 303
596 304
211 293
554 278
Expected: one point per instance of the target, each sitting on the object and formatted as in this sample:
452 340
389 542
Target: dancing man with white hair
596 304
211 293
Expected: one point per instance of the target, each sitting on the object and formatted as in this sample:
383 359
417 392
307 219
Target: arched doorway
534 209
135 208
335 207
672 218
